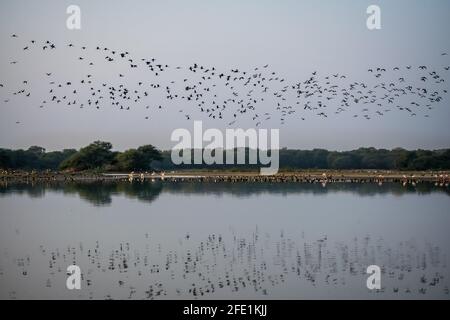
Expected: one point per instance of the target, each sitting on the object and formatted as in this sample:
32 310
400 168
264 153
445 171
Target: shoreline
308 176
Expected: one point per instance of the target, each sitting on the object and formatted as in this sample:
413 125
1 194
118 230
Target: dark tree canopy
99 155
96 155
362 158
138 159
33 158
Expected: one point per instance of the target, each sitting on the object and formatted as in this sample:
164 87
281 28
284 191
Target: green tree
5 158
138 159
96 155
52 160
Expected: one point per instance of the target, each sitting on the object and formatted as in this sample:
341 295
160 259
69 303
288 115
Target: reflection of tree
144 191
96 193
33 190
246 188
100 193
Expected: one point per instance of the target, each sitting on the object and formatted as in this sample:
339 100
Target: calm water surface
145 240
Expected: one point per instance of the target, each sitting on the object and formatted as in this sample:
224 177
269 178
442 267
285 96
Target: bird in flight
235 94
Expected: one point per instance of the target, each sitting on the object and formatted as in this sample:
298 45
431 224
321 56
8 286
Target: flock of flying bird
259 94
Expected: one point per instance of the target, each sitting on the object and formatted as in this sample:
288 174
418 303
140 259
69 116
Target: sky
294 37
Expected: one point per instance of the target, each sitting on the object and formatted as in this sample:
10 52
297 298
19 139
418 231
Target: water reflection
223 240
235 265
100 193
96 193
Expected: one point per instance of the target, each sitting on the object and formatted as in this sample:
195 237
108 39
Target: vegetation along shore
99 162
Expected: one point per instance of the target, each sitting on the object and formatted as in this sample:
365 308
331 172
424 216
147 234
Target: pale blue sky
293 37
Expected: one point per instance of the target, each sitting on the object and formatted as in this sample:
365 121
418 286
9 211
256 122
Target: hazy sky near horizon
294 37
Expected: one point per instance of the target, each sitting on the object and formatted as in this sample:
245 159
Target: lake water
165 240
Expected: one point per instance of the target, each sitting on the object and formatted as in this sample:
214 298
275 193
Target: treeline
362 158
99 156
96 156
367 158
33 158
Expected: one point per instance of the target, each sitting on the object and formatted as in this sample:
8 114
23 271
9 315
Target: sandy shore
230 176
